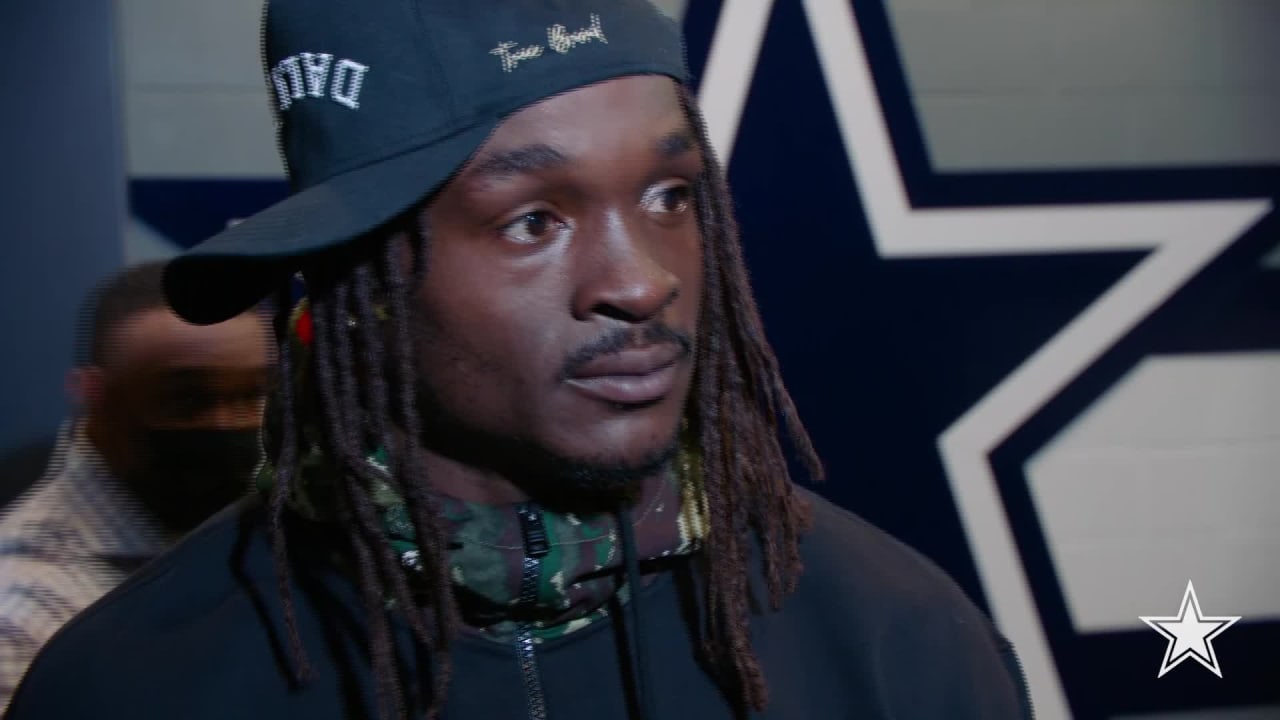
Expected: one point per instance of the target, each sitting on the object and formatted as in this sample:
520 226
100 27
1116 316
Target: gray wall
62 203
1035 84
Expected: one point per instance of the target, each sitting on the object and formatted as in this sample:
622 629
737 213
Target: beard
592 483
559 482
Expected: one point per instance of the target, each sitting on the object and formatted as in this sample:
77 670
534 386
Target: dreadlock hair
366 388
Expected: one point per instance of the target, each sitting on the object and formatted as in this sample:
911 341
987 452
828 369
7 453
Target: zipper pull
533 532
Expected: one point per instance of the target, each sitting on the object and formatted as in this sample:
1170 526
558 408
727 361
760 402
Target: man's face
180 407
556 320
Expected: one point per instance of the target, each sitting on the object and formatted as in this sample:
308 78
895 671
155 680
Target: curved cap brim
235 269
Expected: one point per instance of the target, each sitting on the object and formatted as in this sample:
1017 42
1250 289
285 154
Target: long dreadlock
738 406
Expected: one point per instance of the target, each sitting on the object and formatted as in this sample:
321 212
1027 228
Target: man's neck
470 483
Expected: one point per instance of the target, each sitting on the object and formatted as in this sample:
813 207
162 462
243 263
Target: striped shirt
64 543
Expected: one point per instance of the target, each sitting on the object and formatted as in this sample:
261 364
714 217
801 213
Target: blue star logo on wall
938 329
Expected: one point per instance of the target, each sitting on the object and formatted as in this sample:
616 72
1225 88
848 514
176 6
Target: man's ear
84 387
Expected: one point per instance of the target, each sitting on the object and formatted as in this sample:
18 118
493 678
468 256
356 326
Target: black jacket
873 631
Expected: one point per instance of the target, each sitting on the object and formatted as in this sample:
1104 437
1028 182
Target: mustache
623 338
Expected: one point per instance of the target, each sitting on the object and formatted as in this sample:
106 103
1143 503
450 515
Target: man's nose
622 273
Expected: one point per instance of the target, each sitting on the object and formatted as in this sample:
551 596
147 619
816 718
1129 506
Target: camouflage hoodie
578 575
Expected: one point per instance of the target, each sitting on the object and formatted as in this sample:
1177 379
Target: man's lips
629 377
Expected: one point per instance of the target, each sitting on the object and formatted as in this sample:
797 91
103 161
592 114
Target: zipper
536 547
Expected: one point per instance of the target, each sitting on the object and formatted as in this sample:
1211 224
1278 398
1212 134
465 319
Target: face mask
190 474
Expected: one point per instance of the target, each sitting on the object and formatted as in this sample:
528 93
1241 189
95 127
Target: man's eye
668 199
532 227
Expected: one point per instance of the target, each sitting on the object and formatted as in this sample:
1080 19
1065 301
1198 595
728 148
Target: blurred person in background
167 435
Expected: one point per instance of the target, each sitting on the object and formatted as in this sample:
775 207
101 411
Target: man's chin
596 482
564 470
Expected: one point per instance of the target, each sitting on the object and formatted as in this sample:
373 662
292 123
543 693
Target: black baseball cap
378 102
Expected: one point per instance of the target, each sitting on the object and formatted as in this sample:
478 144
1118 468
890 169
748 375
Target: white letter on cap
287 77
562 41
511 59
344 90
317 67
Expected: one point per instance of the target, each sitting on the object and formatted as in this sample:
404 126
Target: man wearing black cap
526 458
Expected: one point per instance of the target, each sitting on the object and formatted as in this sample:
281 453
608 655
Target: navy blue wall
62 203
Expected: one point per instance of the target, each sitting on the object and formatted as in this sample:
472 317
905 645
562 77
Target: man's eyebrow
675 143
539 157
521 160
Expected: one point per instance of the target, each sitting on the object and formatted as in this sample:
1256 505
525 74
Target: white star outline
1183 237
1194 635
